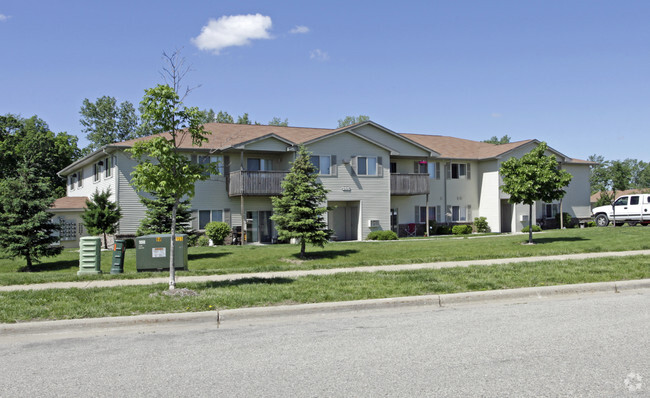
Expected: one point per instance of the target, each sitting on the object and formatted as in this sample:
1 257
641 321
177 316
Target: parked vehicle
632 209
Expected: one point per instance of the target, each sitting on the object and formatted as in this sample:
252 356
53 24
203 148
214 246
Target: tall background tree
535 176
298 213
499 141
26 227
30 142
276 121
106 122
101 214
350 120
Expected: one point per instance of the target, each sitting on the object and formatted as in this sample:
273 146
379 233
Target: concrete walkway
295 274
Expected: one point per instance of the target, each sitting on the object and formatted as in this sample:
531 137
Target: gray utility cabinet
152 252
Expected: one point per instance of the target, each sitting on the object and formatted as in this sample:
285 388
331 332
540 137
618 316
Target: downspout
446 171
241 198
117 187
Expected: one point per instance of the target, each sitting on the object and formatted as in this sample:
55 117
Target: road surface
592 345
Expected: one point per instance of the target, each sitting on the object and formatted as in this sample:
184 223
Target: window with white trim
80 179
367 166
108 166
458 171
258 164
208 216
97 172
207 159
550 210
460 213
421 212
323 164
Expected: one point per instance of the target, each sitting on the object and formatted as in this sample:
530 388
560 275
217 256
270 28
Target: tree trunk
530 223
302 248
172 269
28 258
105 243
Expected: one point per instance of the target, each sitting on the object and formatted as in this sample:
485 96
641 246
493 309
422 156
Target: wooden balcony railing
255 183
409 184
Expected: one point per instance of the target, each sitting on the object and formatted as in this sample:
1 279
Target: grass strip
133 300
237 259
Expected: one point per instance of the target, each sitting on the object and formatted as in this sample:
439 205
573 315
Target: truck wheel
631 223
620 224
601 220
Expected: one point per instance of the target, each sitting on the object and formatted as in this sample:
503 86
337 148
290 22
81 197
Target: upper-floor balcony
255 183
409 184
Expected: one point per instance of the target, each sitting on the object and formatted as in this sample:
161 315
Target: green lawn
236 259
132 300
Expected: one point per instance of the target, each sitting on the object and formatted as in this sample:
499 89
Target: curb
217 317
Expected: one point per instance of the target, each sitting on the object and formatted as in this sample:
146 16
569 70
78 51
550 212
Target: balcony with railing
255 183
409 184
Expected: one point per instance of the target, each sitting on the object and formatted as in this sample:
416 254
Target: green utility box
119 250
89 256
152 252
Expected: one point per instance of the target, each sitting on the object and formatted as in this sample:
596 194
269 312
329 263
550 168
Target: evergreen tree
350 120
535 176
26 227
297 213
101 215
158 219
276 121
224 117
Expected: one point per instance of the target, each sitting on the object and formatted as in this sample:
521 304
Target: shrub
443 230
591 224
129 243
433 227
217 231
382 235
567 220
461 229
536 228
203 241
481 224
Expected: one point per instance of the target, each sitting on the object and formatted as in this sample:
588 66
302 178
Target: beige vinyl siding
396 143
372 192
132 209
576 200
269 144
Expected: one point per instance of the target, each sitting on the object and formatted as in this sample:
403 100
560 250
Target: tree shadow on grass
201 256
542 241
328 254
51 266
246 281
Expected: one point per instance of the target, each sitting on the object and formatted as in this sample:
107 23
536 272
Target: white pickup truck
632 209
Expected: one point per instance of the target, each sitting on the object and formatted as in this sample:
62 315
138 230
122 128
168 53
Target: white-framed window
460 213
108 167
72 180
434 170
421 213
459 171
206 216
323 163
367 166
207 159
421 167
80 178
393 167
550 210
97 172
259 164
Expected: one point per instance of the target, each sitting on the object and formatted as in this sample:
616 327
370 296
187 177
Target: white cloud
299 29
4 17
233 30
319 55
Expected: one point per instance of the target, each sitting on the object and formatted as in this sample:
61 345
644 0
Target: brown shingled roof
70 202
460 148
225 135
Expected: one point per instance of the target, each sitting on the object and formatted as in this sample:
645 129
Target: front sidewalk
296 274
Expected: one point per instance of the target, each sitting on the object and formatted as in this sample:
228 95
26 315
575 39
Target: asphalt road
594 345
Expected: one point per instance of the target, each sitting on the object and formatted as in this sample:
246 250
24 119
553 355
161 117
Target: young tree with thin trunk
298 213
101 214
535 176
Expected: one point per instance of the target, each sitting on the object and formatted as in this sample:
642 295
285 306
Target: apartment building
377 180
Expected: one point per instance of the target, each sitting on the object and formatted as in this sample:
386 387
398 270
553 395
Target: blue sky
572 73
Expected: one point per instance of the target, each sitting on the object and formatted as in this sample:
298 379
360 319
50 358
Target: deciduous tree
535 176
298 213
276 121
162 168
106 122
498 141
350 120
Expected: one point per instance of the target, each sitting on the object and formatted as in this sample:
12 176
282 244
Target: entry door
344 220
265 226
506 216
260 226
